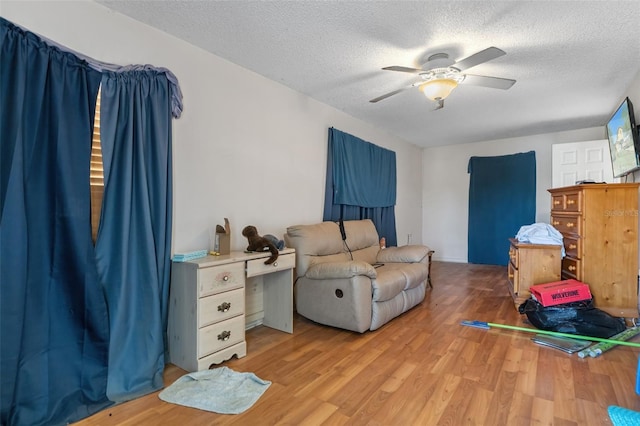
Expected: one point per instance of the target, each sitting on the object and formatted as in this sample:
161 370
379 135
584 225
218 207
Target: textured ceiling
573 60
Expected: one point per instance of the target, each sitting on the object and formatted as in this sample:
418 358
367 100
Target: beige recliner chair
354 284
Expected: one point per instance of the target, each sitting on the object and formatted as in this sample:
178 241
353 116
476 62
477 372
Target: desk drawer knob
571 268
556 223
224 336
225 278
570 225
275 264
570 202
224 307
572 246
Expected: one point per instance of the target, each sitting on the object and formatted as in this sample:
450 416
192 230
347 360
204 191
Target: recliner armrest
334 270
403 254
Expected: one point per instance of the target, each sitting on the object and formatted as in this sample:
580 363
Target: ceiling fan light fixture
440 75
438 89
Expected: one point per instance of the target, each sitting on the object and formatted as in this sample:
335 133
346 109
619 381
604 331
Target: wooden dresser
599 225
531 264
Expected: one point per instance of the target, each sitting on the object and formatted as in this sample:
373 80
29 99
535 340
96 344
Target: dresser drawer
221 335
513 278
569 224
572 202
513 256
568 202
217 279
573 246
220 307
571 268
257 266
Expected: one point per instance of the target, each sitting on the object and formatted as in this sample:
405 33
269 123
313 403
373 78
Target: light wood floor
423 368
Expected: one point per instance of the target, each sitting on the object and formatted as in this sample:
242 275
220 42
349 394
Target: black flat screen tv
623 140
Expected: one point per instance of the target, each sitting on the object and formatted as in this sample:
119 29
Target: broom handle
486 325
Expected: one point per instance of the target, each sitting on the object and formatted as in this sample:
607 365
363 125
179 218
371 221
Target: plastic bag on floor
573 318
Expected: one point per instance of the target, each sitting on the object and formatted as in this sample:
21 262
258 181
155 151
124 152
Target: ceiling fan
440 75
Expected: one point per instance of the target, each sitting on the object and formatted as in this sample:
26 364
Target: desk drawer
220 307
257 266
221 335
217 279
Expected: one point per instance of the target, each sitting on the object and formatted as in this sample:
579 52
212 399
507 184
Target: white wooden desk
213 300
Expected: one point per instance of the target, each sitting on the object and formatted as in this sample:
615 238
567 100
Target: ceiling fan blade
492 82
479 58
386 95
403 69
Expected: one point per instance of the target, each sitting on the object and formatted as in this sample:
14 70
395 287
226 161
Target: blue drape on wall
363 174
361 183
502 198
53 316
134 239
79 327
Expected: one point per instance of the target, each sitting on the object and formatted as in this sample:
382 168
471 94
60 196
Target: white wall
246 148
252 150
446 186
446 181
634 94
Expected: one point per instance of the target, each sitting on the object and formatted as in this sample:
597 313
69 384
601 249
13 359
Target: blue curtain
53 315
134 238
81 327
502 198
361 183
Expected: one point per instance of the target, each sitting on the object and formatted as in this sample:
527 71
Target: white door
576 161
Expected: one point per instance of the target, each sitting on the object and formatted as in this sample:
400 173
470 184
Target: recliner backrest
322 242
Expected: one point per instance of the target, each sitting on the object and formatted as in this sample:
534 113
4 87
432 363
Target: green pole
487 325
